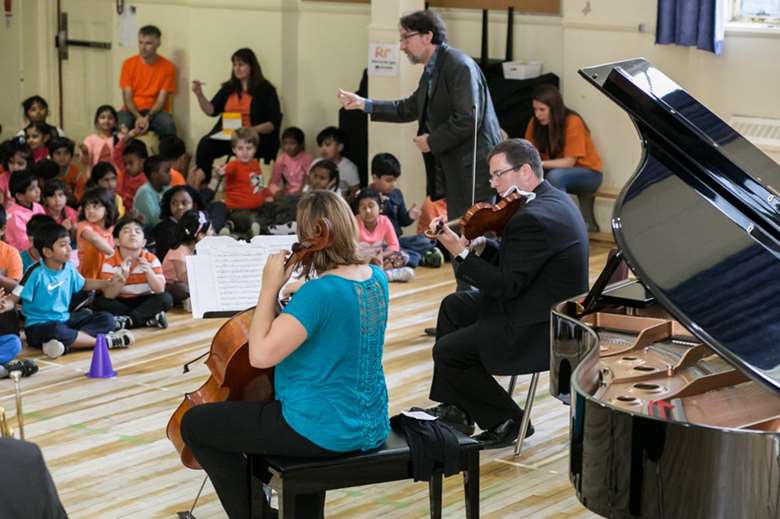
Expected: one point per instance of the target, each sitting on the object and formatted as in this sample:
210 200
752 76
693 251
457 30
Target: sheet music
225 274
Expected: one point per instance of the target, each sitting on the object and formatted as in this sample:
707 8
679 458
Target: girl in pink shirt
377 236
99 146
292 164
190 229
24 188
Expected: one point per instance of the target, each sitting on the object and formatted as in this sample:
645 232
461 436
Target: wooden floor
104 440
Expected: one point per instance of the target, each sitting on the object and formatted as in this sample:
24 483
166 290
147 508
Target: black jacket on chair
542 259
457 86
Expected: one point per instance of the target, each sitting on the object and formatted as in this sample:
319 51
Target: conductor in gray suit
451 92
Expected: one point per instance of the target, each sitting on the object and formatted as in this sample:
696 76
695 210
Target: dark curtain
691 23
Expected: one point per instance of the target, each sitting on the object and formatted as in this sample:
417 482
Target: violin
232 376
483 217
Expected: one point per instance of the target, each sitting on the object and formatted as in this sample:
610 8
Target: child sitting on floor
191 228
94 240
61 150
104 175
291 165
10 344
331 142
175 202
24 188
14 156
45 293
55 204
323 175
244 191
147 199
31 255
385 170
131 178
99 146
139 299
37 138
377 236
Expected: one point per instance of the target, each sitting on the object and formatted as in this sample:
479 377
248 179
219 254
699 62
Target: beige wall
309 49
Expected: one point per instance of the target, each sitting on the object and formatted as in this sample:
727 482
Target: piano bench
391 462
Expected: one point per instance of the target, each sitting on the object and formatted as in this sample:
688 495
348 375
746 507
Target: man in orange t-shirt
147 81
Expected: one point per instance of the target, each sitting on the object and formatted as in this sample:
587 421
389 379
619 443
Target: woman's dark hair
124 222
426 21
61 142
551 139
165 202
2 217
100 170
47 235
294 133
256 78
364 193
99 195
192 223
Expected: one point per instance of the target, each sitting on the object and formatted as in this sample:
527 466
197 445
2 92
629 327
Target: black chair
392 462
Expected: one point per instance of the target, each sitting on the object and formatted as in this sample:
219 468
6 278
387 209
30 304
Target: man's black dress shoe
452 415
502 435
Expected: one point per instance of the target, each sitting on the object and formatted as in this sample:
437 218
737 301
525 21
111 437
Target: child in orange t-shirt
94 240
130 176
244 185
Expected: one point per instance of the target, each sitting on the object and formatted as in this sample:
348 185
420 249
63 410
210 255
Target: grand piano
674 376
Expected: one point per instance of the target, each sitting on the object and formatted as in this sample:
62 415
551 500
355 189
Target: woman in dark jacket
248 93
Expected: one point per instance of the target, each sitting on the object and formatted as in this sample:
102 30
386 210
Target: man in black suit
502 327
451 92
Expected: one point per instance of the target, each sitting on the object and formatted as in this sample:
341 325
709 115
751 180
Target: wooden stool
392 462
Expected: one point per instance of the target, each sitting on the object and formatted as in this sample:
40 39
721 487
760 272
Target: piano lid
699 221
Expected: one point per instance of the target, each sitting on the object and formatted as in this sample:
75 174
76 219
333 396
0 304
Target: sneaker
120 339
254 229
27 367
402 275
433 258
122 322
158 321
187 305
53 348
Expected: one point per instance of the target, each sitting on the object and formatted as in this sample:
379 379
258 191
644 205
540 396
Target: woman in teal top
326 347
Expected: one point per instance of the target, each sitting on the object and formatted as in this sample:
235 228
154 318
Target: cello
232 376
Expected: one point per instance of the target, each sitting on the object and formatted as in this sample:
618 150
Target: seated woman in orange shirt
246 92
569 158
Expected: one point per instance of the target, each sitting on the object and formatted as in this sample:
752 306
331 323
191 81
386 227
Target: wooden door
87 72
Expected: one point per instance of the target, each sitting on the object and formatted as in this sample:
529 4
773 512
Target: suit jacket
457 87
542 259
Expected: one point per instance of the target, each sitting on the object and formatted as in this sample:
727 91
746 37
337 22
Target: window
755 11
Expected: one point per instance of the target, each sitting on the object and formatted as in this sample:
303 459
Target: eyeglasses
495 176
406 36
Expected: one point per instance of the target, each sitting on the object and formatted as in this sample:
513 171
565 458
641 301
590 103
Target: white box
522 69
